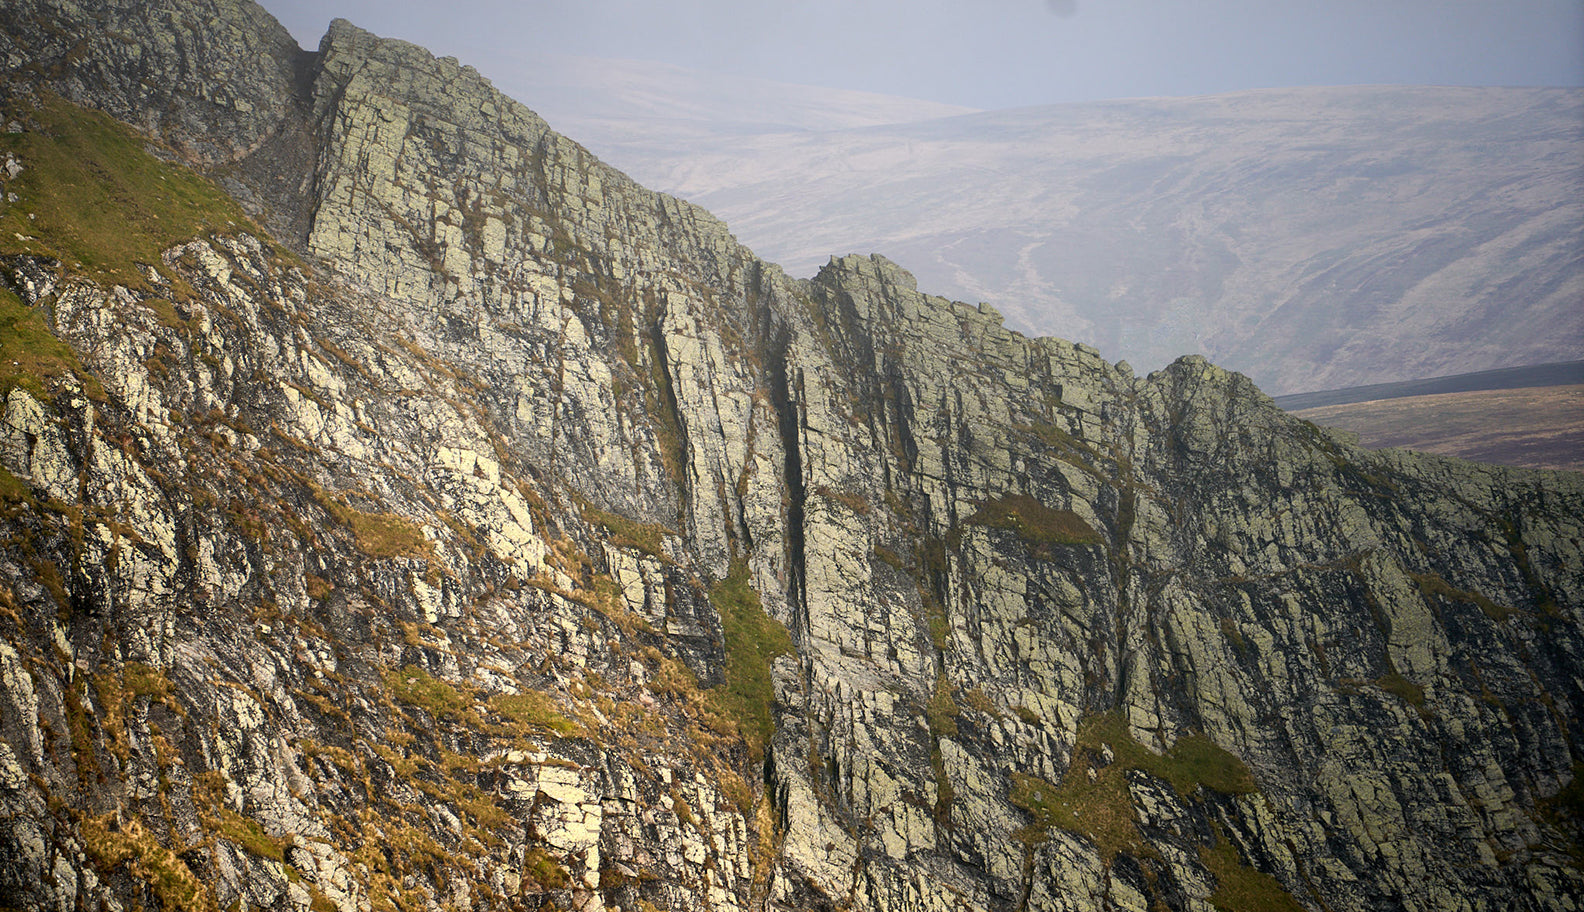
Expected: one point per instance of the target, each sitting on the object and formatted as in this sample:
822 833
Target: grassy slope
91 194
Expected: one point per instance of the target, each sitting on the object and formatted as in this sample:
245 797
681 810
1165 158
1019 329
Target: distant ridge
1558 373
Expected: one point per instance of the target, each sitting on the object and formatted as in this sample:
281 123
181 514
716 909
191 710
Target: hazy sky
1002 53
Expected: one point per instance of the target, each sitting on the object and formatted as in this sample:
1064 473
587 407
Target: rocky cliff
440 520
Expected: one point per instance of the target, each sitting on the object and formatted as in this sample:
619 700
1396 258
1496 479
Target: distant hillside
1533 427
1306 237
1523 416
1535 375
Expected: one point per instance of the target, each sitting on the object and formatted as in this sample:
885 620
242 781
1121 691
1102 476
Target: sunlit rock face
490 532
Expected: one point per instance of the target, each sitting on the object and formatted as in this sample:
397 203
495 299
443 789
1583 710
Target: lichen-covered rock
425 561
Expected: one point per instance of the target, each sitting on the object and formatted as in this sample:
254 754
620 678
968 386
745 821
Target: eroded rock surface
426 557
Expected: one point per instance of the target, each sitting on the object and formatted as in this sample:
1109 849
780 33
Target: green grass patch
648 538
1068 448
1193 761
942 710
379 535
935 617
890 557
852 501
91 194
146 681
532 709
1394 683
932 572
387 535
13 489
416 687
1093 798
1240 888
30 354
544 870
1035 523
1100 809
753 640
944 793
247 834
1041 801
1057 438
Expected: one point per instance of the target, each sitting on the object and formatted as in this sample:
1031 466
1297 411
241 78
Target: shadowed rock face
431 559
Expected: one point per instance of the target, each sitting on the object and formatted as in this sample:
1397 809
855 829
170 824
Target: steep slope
436 558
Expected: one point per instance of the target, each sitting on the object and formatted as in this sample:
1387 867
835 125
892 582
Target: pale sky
1005 53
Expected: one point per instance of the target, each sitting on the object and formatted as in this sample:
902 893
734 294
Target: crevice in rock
789 420
671 417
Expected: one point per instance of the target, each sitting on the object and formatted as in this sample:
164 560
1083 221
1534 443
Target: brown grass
1538 427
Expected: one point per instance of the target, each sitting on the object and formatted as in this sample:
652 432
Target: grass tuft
1431 584
31 357
753 640
543 870
1040 800
159 869
416 687
146 681
1093 798
379 535
648 538
1034 522
1395 683
1240 888
534 710
246 833
942 710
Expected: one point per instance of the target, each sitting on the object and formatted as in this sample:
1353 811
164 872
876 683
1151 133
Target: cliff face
505 535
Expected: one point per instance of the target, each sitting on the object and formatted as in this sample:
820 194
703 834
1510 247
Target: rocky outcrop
506 535
1175 557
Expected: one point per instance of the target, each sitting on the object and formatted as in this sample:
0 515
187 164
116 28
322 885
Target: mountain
1312 238
437 518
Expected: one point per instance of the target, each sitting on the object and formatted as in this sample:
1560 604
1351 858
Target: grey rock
406 568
